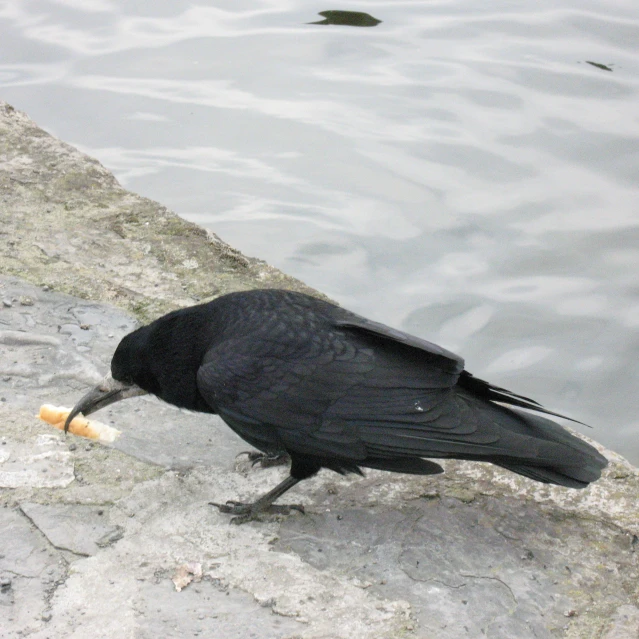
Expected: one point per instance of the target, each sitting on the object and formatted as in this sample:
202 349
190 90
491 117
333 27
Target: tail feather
545 475
545 451
480 388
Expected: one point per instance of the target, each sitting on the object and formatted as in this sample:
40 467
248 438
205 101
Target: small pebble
88 447
7 303
46 288
72 446
26 301
46 616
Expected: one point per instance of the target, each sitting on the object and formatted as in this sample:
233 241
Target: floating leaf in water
599 65
348 18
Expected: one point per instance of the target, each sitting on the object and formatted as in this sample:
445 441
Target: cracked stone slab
76 528
57 345
126 590
30 572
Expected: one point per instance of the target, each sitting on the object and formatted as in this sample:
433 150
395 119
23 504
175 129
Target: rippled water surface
461 170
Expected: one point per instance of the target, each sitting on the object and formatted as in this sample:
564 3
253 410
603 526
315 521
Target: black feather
497 394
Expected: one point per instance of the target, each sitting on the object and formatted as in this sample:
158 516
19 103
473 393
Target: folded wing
366 395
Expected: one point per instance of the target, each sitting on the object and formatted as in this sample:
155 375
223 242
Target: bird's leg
266 460
248 512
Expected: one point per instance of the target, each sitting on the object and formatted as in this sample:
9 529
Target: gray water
461 170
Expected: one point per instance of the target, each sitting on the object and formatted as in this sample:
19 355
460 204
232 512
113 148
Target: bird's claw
265 460
250 512
233 507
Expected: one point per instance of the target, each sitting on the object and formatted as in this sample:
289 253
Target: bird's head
161 358
117 385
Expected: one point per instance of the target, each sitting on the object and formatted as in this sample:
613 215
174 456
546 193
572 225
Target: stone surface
91 536
623 624
79 529
41 462
31 571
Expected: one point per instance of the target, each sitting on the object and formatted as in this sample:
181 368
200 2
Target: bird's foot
266 460
250 512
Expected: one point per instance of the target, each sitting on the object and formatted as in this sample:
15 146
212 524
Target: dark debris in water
599 65
348 18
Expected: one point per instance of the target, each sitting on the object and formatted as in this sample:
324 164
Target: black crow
295 375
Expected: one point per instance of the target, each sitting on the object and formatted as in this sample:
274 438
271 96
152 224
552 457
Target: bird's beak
106 392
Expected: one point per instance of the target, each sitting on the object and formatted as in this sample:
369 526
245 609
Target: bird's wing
319 400
360 394
445 359
267 396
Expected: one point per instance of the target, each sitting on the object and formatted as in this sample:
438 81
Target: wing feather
319 398
440 356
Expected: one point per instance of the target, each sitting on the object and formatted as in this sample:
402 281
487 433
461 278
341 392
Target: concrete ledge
68 224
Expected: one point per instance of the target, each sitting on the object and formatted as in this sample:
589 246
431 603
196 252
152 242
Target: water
460 170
